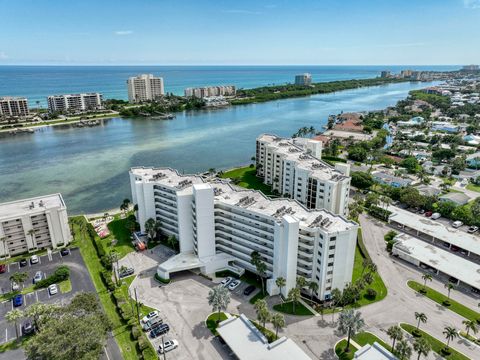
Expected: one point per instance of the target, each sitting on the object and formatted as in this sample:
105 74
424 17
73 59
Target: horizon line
72 65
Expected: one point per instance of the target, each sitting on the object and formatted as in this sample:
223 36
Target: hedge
361 245
61 273
107 280
136 332
142 343
149 353
379 213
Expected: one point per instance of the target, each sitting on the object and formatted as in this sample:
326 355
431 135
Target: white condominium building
293 168
32 224
219 225
303 79
75 102
144 87
13 107
202 92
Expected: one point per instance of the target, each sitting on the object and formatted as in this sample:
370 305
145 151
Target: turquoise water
37 82
89 166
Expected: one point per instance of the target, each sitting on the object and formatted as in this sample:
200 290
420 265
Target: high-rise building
203 92
75 102
144 87
470 68
406 73
385 74
303 79
33 224
219 225
13 106
293 167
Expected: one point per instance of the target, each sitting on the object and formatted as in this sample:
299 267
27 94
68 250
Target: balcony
246 235
245 242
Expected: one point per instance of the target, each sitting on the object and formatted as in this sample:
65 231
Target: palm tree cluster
152 226
304 131
264 316
124 206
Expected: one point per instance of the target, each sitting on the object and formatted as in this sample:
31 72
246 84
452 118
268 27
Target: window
333 238
329 272
332 247
330 264
331 256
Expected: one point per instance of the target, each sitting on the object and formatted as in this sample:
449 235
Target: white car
15 286
34 259
234 284
53 289
167 346
226 281
457 224
149 316
435 216
38 277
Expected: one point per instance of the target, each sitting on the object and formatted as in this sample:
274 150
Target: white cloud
123 32
3 56
472 4
241 11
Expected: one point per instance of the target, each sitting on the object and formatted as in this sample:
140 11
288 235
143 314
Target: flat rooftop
436 229
373 352
18 208
453 265
295 151
167 177
248 343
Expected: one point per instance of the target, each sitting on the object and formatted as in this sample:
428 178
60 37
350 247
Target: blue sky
240 32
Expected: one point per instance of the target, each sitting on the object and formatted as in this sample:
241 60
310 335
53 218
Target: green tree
278 322
350 323
40 312
361 180
172 241
411 164
450 334
336 298
151 227
263 315
313 287
281 283
395 333
301 282
403 350
13 316
449 286
470 325
411 197
422 347
421 317
425 278
19 277
218 299
294 296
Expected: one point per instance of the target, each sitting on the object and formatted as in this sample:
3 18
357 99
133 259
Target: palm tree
150 228
395 333
301 282
470 325
422 347
19 277
262 272
421 317
281 283
294 296
450 334
218 299
13 316
278 322
38 310
261 308
426 277
365 263
313 287
336 297
172 241
350 323
403 350
449 286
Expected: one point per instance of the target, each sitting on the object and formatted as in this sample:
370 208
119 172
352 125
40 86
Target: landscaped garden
292 309
213 320
246 177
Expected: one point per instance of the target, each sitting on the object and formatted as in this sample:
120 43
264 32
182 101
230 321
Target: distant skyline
226 32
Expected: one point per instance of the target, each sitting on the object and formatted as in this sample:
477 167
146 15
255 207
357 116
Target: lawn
119 232
436 344
14 344
439 298
342 355
258 296
126 282
121 330
248 179
287 308
65 286
213 320
473 187
365 338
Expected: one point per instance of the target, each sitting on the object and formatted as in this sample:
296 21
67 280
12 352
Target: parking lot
79 278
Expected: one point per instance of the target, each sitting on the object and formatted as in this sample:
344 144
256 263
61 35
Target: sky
247 32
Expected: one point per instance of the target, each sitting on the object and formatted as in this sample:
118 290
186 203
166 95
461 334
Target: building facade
293 168
33 224
303 79
203 92
75 102
145 87
219 226
13 107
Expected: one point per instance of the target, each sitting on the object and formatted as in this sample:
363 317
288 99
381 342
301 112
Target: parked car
53 289
149 316
15 286
160 330
27 328
126 272
472 229
65 252
167 346
457 224
18 300
436 216
3 268
23 262
454 248
428 213
34 259
249 289
226 281
152 323
234 284
38 277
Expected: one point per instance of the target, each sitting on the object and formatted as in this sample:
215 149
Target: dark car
248 290
18 300
3 268
65 252
23 262
126 272
160 330
27 328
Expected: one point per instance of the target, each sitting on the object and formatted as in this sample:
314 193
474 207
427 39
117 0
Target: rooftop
248 343
442 260
374 352
34 205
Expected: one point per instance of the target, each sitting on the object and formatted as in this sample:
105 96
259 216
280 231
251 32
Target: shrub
136 332
149 354
371 293
106 262
107 279
142 343
61 273
390 235
379 213
416 333
162 280
446 351
390 245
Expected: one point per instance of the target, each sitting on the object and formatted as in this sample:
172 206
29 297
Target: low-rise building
445 126
13 107
455 197
209 91
386 178
33 224
415 121
75 102
218 226
473 160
